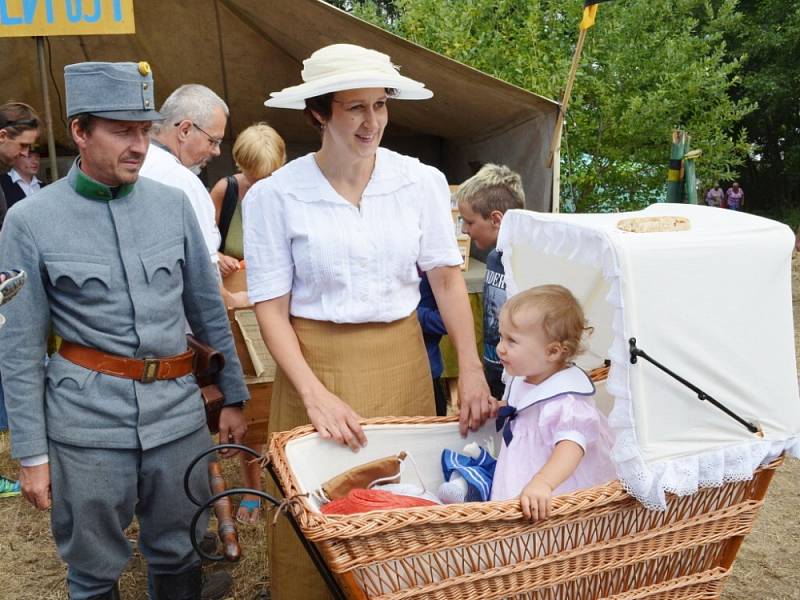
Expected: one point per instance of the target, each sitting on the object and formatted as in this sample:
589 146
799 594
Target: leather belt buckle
150 372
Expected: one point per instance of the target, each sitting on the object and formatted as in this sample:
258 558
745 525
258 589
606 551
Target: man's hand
35 484
232 428
475 400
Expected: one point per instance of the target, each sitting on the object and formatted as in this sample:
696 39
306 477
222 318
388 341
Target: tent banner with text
23 18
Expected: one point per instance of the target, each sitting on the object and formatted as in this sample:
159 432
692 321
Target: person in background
19 130
258 151
333 241
116 263
22 180
181 145
432 331
483 199
8 487
735 197
715 196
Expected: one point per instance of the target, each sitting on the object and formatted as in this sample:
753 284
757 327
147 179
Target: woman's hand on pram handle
334 419
475 400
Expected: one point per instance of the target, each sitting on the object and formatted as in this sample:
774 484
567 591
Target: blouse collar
388 175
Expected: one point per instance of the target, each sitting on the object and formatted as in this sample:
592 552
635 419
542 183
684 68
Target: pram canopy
712 303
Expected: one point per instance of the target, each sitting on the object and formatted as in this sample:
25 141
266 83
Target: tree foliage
647 67
768 39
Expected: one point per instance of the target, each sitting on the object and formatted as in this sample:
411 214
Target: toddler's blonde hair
562 318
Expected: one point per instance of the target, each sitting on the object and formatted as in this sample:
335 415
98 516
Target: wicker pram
692 478
599 543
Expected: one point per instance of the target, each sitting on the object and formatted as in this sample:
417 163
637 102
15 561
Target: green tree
768 40
647 67
383 11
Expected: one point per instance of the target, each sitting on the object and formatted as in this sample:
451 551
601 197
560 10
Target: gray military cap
118 91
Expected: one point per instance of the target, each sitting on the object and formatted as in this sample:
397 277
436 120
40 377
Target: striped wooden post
690 190
680 141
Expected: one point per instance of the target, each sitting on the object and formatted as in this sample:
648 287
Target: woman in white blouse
332 245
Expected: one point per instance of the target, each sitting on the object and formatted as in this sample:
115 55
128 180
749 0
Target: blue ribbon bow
505 415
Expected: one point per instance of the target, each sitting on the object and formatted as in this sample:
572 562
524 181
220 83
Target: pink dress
560 408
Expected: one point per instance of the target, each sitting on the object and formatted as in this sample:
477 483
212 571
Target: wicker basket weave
599 543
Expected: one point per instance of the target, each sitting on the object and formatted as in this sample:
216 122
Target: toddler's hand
535 500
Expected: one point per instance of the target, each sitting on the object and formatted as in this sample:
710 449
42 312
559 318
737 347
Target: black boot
181 586
112 594
216 585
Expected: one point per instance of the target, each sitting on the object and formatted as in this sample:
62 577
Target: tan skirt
380 369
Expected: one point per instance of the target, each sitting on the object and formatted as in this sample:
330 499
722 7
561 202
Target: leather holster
208 363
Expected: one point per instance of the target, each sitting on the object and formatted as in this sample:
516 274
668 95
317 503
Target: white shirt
28 188
164 167
346 263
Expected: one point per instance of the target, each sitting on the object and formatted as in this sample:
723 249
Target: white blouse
346 263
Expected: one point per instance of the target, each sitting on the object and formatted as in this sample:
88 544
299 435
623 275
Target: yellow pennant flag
590 12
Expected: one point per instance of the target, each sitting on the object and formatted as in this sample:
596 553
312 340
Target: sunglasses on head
32 123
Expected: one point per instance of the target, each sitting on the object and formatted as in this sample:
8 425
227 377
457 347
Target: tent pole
48 116
555 140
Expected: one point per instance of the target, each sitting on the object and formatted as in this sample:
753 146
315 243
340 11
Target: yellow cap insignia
144 68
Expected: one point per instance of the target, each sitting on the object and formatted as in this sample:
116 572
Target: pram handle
312 550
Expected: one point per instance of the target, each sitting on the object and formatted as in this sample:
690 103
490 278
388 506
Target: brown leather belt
146 370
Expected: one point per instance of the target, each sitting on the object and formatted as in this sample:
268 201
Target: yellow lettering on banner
26 18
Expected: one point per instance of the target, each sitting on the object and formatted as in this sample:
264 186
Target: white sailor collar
572 380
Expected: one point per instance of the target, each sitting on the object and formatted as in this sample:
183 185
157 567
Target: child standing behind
555 441
482 201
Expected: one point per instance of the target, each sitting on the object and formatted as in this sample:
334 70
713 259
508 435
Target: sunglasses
32 123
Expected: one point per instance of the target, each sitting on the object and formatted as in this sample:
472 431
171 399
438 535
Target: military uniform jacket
121 275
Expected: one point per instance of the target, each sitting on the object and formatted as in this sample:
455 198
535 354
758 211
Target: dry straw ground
768 566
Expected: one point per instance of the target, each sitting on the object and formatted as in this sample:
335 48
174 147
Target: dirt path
767 568
768 565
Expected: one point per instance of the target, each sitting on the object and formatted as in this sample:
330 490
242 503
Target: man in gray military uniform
118 264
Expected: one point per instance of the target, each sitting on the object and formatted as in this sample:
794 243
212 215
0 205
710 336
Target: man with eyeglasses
19 129
182 144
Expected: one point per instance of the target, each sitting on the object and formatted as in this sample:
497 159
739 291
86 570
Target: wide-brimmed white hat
346 67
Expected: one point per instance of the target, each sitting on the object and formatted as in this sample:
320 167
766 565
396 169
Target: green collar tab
94 190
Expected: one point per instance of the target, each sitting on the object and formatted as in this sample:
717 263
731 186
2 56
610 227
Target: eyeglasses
215 142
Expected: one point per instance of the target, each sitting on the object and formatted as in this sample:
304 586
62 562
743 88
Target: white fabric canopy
713 304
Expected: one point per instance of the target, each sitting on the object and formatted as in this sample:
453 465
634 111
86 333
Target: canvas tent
243 49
